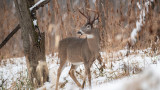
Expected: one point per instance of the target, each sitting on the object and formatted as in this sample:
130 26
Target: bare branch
9 36
39 4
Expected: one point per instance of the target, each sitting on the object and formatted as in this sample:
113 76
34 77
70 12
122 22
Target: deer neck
93 41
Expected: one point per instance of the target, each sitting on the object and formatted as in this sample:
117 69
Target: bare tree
33 42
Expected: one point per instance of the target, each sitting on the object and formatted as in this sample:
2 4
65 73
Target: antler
88 17
95 17
82 13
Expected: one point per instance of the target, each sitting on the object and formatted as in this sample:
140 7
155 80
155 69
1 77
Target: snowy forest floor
137 71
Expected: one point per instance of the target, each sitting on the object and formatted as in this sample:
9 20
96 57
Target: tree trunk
34 51
102 12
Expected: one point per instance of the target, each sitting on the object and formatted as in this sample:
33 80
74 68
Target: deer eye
88 26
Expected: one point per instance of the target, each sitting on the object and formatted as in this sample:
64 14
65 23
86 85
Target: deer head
90 25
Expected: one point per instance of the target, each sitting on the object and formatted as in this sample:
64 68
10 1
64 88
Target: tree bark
102 12
34 51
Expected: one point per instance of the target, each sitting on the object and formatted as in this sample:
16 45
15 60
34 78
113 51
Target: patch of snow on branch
35 22
39 2
139 22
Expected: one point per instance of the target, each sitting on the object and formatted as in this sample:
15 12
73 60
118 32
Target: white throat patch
90 36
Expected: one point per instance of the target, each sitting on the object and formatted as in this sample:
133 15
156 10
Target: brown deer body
80 51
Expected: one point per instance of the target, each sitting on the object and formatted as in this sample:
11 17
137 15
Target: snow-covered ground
138 71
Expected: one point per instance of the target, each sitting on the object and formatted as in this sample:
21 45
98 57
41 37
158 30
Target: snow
35 5
112 77
148 80
139 22
12 70
31 8
139 6
35 22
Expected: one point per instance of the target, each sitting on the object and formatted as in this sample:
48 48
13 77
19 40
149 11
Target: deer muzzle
80 32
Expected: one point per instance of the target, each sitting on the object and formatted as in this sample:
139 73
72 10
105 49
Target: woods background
60 19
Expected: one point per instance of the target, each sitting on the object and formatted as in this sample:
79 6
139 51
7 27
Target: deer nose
79 32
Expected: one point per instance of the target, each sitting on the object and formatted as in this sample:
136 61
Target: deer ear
95 23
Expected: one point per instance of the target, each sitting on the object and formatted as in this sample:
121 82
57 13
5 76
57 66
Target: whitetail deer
80 51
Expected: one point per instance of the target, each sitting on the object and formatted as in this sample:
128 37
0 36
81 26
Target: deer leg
87 73
84 80
60 69
89 76
71 73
